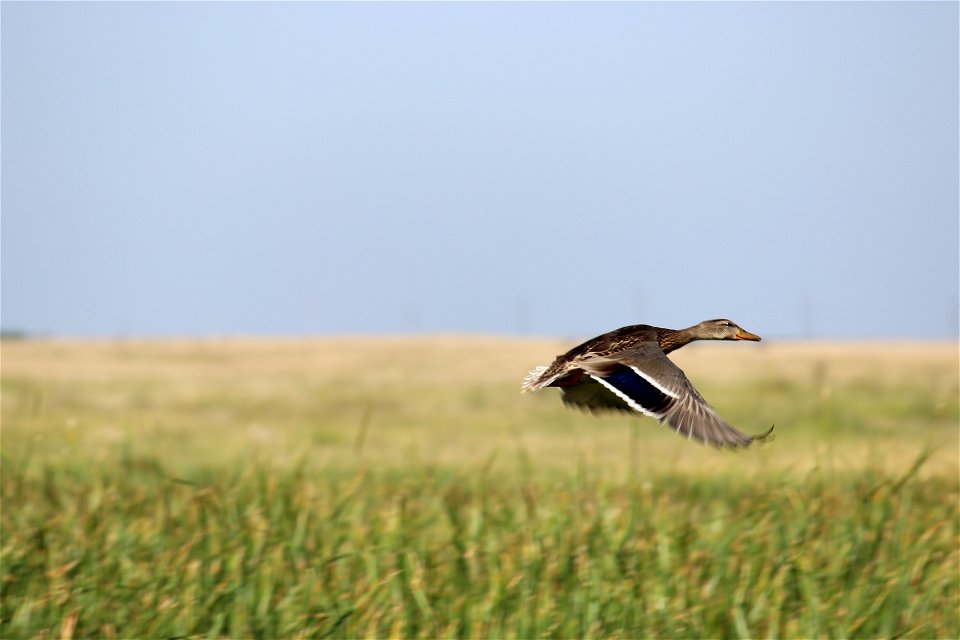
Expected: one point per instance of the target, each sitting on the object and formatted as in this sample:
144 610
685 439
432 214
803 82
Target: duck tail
535 380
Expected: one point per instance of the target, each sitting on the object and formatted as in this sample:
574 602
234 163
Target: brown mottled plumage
628 370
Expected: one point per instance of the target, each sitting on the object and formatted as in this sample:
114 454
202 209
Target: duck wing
644 380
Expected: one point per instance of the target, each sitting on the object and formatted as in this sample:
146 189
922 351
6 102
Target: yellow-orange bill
746 335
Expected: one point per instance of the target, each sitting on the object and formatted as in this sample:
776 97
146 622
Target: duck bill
746 335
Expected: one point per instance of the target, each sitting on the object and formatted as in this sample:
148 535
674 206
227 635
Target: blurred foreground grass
368 488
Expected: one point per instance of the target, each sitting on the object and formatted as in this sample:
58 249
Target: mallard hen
628 370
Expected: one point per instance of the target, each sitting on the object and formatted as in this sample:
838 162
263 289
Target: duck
627 370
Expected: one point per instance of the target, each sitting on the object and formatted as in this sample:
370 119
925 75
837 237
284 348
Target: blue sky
535 168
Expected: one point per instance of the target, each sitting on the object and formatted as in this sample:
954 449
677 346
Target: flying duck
628 370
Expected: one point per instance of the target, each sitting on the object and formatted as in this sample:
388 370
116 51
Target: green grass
134 552
264 491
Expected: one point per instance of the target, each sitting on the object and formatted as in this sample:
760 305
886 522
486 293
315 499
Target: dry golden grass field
455 401
403 487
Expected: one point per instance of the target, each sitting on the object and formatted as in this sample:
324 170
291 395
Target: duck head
722 329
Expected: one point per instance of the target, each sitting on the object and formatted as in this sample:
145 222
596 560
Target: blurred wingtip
766 436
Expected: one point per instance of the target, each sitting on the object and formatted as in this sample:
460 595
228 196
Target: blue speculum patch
639 390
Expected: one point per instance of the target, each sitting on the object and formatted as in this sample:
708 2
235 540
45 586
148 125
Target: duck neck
673 339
